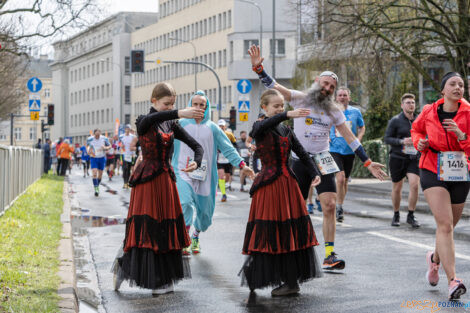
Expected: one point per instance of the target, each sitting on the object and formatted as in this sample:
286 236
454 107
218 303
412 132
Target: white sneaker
162 291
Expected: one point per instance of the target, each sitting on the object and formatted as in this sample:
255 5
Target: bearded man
313 133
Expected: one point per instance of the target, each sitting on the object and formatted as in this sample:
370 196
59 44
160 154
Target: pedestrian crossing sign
243 106
34 116
34 102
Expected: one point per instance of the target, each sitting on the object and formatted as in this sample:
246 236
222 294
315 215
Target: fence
19 168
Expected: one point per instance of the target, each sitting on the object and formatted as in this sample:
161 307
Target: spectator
64 156
46 147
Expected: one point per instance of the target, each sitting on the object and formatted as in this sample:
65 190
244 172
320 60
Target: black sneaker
333 263
396 219
339 214
411 219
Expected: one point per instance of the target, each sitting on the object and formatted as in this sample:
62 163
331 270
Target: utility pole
273 46
12 116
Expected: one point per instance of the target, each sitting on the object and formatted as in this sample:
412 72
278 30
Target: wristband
355 144
367 163
242 165
361 153
258 69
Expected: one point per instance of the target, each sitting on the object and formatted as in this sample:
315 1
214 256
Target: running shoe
432 274
339 214
411 219
166 289
285 290
224 198
456 289
97 191
187 251
310 208
318 203
333 263
396 219
195 248
229 187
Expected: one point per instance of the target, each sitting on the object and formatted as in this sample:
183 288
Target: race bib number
452 166
348 124
244 153
200 173
325 162
409 149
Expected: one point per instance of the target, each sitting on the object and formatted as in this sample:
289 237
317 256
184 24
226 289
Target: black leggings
64 164
126 171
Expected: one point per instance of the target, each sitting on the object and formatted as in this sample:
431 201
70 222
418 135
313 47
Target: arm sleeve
304 156
145 121
183 135
390 134
418 129
260 127
224 145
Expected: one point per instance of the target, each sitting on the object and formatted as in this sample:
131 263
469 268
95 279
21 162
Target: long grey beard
319 101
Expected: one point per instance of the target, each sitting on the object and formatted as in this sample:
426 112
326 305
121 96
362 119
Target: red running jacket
427 124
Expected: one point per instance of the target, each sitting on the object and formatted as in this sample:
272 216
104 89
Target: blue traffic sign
34 105
243 106
34 84
244 86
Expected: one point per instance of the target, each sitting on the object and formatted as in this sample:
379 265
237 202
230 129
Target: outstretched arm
260 127
268 81
144 122
182 134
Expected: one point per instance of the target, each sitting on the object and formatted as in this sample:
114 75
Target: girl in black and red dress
155 230
279 238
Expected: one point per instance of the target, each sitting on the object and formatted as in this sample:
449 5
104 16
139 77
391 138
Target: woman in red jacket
440 133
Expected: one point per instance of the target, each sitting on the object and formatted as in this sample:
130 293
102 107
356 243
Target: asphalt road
385 266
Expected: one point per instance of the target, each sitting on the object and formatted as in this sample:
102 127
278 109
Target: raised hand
298 113
256 58
191 112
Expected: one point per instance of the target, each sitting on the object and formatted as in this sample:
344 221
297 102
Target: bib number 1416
452 166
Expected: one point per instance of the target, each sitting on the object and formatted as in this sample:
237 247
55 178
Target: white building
91 77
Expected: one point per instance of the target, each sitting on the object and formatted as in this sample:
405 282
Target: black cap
447 76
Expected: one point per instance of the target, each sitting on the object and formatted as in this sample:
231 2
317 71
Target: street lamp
195 55
260 23
121 109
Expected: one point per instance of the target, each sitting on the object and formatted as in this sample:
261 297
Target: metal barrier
19 168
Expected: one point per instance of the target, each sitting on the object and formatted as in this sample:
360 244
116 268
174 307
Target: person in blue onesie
197 189
340 150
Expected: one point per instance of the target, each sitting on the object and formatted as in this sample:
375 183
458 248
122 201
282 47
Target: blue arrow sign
34 84
244 106
244 86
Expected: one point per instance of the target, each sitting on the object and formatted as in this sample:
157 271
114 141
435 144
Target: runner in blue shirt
339 148
85 160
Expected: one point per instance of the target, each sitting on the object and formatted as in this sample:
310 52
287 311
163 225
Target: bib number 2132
325 162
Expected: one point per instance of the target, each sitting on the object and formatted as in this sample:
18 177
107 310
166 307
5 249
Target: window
107 90
107 64
246 45
127 119
102 116
107 115
93 117
88 118
127 65
3 136
47 93
102 66
229 18
98 93
127 95
97 117
102 91
225 57
93 69
17 133
97 68
231 52
280 46
32 133
93 93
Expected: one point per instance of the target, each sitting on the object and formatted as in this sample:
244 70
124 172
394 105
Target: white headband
330 74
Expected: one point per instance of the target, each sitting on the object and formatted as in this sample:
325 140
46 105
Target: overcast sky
114 6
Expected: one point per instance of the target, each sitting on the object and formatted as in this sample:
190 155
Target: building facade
26 132
216 33
91 77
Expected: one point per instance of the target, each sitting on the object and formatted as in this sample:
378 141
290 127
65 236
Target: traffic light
137 61
50 114
43 126
233 118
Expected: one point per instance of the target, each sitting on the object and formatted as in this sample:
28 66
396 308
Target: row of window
91 118
90 70
17 133
171 71
280 49
173 6
91 42
142 107
187 33
91 94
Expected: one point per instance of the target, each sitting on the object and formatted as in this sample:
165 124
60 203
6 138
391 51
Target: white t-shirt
97 145
313 131
126 142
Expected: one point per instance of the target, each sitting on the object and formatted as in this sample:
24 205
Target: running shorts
400 167
458 190
227 167
98 163
328 183
345 162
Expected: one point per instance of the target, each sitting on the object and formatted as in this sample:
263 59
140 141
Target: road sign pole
11 128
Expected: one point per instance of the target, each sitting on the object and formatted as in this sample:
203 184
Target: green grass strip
29 236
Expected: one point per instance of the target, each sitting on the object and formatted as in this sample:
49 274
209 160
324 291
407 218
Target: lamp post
195 55
260 23
121 110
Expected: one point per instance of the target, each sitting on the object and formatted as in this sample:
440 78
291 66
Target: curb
67 288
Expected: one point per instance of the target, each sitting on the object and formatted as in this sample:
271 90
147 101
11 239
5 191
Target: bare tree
416 31
13 91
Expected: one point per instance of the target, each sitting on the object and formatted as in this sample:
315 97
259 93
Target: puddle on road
79 221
